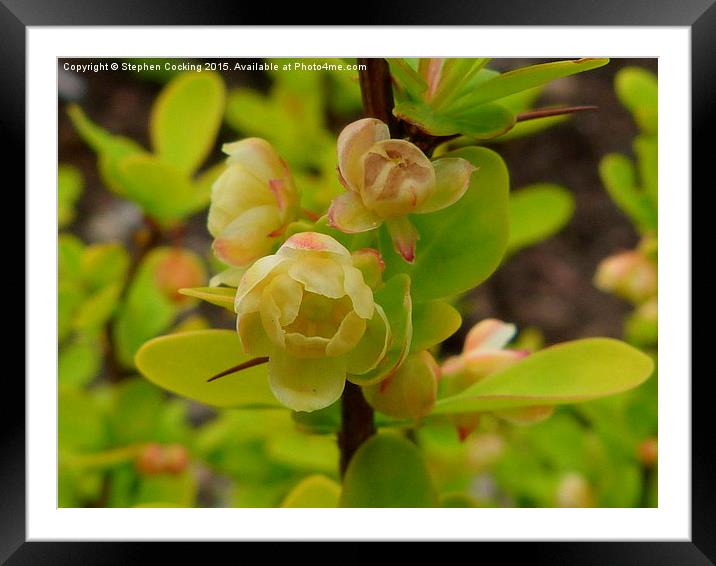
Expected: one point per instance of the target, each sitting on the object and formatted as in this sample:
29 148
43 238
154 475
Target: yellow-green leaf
433 322
182 363
186 118
566 373
219 296
537 212
314 491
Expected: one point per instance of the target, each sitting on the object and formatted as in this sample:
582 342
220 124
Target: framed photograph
391 282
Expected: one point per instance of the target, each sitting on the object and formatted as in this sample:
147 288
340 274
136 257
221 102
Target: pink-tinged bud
648 452
387 179
179 269
252 202
483 450
630 275
409 393
371 264
466 424
176 458
150 460
574 491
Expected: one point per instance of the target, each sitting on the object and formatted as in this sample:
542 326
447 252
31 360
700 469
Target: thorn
246 365
546 112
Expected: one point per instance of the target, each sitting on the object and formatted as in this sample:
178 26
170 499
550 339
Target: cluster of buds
483 354
574 491
387 179
156 459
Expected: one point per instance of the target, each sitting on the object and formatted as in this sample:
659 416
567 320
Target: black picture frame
699 15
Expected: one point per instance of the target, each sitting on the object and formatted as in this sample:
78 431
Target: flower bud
176 458
648 452
179 269
252 202
410 392
484 354
630 275
387 179
309 309
371 264
574 491
150 460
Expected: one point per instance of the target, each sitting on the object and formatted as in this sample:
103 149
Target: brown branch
357 423
376 89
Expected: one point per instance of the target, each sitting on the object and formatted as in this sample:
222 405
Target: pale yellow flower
309 310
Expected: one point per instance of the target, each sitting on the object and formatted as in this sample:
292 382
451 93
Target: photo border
13 23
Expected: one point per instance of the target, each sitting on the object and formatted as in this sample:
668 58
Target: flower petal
372 346
248 294
248 237
353 142
489 334
270 319
480 363
306 346
404 236
314 244
348 214
287 294
259 156
236 191
306 384
347 336
356 288
230 277
319 275
452 178
253 337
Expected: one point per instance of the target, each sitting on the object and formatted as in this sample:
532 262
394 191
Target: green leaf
408 78
95 311
162 190
387 471
110 149
566 373
433 323
647 151
186 118
167 490
104 264
538 212
395 299
466 240
314 491
304 452
181 363
525 78
619 178
136 407
81 422
480 122
638 91
146 311
69 188
219 296
79 362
